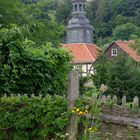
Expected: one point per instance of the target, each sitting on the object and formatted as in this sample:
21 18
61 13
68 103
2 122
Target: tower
79 29
80 40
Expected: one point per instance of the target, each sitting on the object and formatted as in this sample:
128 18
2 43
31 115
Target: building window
75 8
83 7
80 7
114 52
78 68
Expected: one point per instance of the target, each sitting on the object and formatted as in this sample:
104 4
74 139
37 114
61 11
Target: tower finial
78 5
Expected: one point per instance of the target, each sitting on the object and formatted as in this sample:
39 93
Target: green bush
36 117
29 69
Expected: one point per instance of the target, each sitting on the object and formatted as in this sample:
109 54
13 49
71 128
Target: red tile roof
83 52
124 45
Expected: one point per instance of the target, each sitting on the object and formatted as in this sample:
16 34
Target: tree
101 74
105 16
63 11
126 32
120 20
136 46
45 28
124 7
37 17
26 68
102 13
10 13
137 18
119 75
136 79
120 78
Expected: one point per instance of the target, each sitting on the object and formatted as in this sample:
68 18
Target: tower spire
79 29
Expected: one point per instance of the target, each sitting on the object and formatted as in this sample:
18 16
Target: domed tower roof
79 29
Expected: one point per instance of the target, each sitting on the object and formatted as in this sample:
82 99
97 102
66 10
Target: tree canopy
107 16
30 57
121 76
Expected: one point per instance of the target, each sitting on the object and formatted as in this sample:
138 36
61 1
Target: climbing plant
26 68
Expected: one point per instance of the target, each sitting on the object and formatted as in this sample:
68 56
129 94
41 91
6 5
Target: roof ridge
130 51
88 51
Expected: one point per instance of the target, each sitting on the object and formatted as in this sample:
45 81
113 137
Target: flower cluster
78 111
92 129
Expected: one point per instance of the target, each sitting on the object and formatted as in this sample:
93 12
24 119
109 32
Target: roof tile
124 45
83 52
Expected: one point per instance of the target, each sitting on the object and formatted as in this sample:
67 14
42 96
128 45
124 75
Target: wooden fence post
73 92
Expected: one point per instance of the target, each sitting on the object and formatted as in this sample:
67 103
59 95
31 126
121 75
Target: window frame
114 52
75 7
80 8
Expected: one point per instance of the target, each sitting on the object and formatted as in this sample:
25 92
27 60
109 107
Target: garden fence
118 121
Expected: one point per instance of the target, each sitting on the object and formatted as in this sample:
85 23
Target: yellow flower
95 129
74 107
77 110
80 112
86 111
90 129
73 111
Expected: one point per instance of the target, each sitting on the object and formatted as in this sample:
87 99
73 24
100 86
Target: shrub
29 69
27 118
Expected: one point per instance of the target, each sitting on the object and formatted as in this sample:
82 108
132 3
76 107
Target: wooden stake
73 92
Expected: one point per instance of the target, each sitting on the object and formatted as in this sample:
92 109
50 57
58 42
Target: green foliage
106 15
120 75
126 31
38 17
49 17
26 68
36 117
83 81
63 11
89 124
138 134
125 8
101 75
120 20
10 13
103 13
46 117
137 18
136 46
